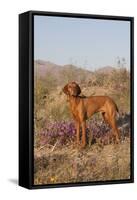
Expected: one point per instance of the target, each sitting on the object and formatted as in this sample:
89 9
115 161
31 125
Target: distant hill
42 67
60 73
105 70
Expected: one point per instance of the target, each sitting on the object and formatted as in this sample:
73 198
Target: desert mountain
65 73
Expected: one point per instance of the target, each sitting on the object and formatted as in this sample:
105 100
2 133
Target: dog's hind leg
105 117
112 122
115 129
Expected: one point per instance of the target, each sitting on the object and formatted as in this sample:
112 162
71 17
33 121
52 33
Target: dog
83 107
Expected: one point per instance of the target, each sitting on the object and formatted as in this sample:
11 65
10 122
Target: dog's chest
78 110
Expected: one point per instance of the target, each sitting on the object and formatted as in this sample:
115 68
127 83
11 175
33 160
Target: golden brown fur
84 107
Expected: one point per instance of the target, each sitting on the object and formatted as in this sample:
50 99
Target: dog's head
72 89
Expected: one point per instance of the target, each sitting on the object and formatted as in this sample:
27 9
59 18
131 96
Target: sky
87 43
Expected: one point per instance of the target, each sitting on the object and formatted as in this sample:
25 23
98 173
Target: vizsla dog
84 107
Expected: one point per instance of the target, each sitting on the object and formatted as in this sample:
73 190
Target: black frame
26 95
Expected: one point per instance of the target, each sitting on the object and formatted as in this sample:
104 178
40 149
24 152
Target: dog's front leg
83 133
78 132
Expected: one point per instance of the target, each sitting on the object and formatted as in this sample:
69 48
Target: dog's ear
65 89
78 90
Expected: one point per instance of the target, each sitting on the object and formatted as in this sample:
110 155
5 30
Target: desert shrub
64 132
98 79
120 77
57 111
117 77
117 83
120 81
68 74
72 73
40 94
48 104
50 81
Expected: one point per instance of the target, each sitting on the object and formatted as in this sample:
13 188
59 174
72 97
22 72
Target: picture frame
28 54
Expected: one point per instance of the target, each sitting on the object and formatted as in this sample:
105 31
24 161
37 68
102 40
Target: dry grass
95 163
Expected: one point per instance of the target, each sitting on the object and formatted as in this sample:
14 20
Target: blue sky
87 43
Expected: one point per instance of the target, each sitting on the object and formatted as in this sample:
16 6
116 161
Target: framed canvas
76 99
